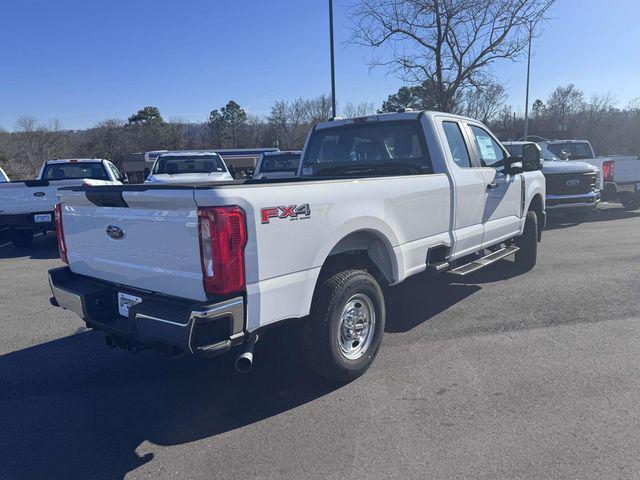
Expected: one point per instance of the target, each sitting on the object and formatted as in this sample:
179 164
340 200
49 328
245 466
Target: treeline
564 114
32 142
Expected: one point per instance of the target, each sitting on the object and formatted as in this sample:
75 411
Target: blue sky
83 61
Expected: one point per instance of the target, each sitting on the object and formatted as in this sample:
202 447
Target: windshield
574 150
69 171
280 163
382 148
548 154
176 165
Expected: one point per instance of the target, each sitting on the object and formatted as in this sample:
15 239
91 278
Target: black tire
22 238
527 256
630 202
322 332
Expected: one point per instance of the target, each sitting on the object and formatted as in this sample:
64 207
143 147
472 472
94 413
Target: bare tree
452 43
38 142
362 109
486 103
563 104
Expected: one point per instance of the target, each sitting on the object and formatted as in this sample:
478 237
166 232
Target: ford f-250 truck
573 188
27 207
620 173
378 199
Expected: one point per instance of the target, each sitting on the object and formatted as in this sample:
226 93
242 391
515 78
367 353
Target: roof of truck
406 114
74 160
189 153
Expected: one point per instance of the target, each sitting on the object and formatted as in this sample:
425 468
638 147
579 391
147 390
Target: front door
503 210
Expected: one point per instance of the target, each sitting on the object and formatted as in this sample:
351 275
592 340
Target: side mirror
125 178
531 157
513 165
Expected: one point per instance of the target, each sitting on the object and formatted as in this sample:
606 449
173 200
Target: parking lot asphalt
500 376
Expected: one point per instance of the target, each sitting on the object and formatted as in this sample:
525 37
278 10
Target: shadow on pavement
71 408
599 215
43 248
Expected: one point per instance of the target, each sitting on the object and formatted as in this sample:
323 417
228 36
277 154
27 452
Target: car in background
278 165
189 168
3 176
621 173
27 207
573 188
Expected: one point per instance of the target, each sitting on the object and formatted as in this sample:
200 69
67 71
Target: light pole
333 67
526 105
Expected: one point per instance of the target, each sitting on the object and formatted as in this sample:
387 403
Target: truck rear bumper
164 323
586 201
28 221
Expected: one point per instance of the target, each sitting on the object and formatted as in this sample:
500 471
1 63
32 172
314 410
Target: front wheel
527 256
346 326
630 202
22 238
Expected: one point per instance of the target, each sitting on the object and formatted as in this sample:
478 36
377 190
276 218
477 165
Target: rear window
280 163
189 164
575 151
69 171
372 149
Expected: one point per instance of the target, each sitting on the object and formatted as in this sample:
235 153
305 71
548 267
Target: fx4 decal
292 212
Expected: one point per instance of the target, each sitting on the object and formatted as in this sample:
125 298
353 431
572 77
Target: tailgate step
485 261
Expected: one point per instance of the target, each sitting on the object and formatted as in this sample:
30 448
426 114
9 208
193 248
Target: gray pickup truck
573 188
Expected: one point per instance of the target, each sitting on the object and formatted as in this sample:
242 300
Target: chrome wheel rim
356 327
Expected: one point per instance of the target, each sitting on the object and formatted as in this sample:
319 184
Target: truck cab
188 168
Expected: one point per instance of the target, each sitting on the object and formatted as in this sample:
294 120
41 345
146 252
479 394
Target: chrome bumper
179 326
582 200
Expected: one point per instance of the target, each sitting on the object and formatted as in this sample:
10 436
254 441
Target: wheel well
536 206
363 249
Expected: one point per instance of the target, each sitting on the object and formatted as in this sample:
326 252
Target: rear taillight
223 236
62 246
607 171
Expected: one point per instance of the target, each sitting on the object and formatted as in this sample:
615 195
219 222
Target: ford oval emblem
573 183
115 232
39 194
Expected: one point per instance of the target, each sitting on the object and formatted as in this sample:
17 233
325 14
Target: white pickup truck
189 168
201 269
620 173
27 207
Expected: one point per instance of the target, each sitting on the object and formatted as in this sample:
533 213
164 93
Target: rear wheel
527 256
346 326
22 238
631 202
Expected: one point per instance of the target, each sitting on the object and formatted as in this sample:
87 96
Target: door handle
492 185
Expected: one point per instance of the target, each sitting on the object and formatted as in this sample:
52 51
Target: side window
457 145
489 150
114 171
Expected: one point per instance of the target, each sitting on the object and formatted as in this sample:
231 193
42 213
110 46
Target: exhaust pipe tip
244 362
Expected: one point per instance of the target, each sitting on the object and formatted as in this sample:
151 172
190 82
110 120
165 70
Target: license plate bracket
125 302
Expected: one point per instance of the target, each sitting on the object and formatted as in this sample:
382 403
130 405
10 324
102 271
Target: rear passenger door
502 213
469 189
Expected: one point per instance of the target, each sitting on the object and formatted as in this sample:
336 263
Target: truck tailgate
142 239
28 197
626 169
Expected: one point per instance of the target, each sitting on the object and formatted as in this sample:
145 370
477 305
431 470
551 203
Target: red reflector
62 246
607 171
223 236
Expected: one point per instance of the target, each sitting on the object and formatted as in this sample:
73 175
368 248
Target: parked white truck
620 173
189 168
199 270
27 207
